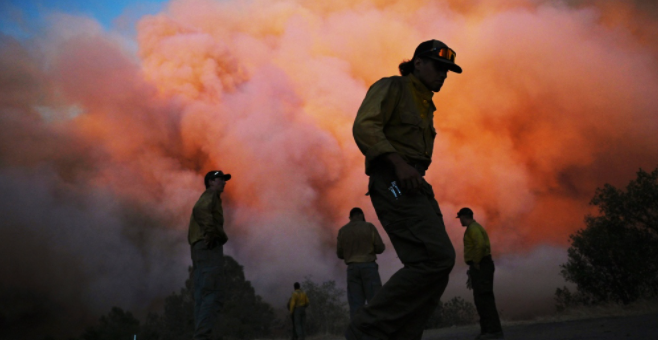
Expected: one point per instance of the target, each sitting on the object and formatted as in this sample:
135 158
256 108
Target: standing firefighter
207 237
358 244
394 129
298 303
477 254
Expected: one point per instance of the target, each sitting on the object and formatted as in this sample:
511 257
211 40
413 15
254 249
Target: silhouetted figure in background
206 237
394 129
358 243
298 303
477 254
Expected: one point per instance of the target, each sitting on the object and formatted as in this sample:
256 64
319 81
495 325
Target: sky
111 114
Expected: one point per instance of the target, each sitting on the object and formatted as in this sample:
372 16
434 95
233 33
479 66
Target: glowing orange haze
549 106
553 102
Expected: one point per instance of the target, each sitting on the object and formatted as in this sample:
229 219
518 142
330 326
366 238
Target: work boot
497 335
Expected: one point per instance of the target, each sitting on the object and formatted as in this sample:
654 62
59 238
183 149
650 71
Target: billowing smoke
102 150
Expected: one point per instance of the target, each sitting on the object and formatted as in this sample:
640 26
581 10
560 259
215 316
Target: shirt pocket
410 118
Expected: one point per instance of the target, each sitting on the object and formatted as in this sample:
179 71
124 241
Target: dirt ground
635 327
631 327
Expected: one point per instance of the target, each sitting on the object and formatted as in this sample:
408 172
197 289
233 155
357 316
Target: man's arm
339 247
292 303
478 245
377 241
375 111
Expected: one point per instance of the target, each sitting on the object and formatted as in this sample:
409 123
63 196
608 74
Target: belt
420 168
485 259
381 167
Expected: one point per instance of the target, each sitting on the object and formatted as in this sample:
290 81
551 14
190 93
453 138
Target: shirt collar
420 88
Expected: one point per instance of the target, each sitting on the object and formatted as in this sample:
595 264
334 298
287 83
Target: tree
455 312
327 312
117 324
615 257
244 314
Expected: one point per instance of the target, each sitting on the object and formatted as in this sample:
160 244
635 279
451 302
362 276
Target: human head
296 285
216 180
356 214
465 216
430 64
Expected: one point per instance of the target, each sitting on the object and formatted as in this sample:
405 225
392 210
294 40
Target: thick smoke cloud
102 150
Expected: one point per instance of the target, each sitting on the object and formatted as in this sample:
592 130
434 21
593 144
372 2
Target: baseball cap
465 212
215 174
437 50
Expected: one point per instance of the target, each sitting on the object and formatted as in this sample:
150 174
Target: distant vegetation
246 316
328 312
615 257
456 312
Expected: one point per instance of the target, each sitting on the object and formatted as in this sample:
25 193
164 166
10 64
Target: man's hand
211 239
214 239
409 178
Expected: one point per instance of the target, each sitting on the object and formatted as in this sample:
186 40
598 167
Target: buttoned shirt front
396 116
207 217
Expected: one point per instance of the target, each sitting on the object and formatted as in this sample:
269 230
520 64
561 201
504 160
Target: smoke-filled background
105 133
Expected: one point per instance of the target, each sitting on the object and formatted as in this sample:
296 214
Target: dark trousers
363 282
294 331
299 318
485 302
208 272
414 223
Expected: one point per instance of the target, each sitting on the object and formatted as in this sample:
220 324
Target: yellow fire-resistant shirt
397 115
298 298
207 217
358 242
476 243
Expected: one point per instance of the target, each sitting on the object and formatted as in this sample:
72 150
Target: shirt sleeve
292 303
374 113
202 212
377 241
339 248
478 244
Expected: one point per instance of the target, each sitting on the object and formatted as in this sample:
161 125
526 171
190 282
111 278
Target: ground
635 327
631 327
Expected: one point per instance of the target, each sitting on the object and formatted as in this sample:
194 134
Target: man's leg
294 331
413 329
208 270
371 280
356 297
303 320
300 320
483 295
415 226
